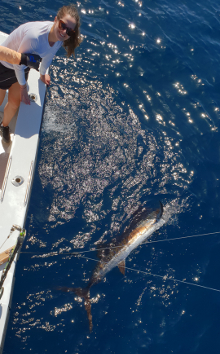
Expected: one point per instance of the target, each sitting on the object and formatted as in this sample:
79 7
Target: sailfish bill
144 223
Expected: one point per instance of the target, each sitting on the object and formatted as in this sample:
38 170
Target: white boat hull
17 161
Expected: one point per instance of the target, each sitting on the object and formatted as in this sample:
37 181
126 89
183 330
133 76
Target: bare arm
15 58
10 55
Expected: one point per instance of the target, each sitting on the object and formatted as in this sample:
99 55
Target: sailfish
143 224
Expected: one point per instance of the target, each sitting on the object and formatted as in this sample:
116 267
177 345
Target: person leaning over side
43 38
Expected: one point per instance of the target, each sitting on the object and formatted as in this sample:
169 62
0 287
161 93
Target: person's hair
74 41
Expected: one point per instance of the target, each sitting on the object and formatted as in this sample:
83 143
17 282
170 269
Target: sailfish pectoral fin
121 267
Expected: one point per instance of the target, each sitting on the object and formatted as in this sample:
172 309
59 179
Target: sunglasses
63 26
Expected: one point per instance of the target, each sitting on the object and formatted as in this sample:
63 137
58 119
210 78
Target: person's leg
2 96
5 131
12 104
10 109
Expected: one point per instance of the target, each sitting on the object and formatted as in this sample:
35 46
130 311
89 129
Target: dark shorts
8 77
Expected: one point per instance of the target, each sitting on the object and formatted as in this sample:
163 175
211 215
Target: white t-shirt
31 37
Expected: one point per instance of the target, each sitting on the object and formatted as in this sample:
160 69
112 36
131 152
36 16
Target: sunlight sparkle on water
180 88
132 25
139 2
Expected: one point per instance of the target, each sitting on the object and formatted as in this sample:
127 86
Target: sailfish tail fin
85 294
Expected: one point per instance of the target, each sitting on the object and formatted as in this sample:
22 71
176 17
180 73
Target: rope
12 255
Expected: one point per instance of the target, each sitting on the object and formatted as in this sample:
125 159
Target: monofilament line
76 253
164 277
181 238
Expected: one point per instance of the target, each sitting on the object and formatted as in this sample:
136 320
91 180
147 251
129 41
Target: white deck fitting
21 157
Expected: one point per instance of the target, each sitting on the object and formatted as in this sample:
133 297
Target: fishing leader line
164 277
180 238
76 253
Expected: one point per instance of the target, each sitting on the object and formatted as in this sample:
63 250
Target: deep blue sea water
133 118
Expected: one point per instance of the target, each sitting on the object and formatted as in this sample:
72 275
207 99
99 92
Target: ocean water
133 119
